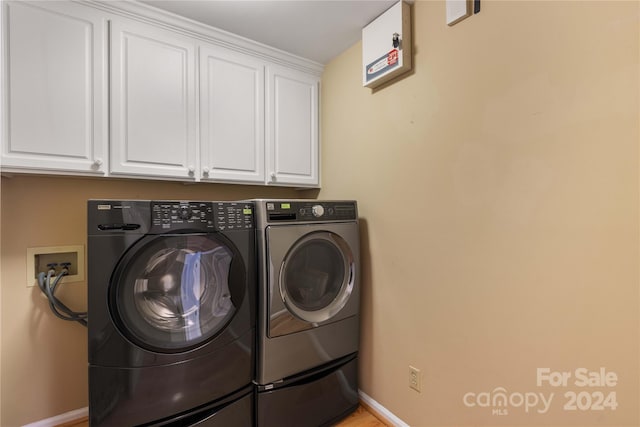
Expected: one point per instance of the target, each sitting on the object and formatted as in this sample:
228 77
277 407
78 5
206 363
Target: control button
303 211
317 210
185 212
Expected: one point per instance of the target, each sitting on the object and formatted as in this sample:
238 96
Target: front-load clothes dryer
308 311
171 306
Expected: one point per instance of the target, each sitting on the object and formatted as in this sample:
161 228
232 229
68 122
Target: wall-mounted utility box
39 258
386 46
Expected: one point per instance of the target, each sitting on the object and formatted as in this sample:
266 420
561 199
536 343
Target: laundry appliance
308 311
171 310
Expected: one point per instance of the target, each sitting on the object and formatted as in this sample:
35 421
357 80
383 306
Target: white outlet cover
415 382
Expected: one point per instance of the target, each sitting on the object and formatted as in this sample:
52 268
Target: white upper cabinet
292 127
55 99
153 102
231 116
123 89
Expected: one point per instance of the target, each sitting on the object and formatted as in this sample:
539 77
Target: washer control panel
179 215
233 216
310 211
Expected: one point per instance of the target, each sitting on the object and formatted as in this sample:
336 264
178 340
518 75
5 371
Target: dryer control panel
310 211
222 216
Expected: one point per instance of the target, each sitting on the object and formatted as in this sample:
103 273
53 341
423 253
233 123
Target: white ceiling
314 29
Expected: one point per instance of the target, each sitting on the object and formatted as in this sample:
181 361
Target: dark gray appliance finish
317 398
308 311
171 305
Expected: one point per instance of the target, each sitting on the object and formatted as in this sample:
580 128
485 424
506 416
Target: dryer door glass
175 292
317 276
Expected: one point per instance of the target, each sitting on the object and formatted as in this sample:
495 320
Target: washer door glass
175 292
317 276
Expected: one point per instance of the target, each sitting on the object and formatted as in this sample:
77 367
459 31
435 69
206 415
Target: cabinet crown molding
142 12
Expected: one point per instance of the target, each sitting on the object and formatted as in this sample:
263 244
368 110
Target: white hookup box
386 46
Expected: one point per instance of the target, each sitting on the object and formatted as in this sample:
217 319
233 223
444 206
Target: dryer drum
317 276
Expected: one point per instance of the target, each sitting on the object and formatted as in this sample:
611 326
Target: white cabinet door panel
153 102
293 127
231 116
56 87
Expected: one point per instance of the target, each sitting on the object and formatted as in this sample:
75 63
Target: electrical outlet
414 379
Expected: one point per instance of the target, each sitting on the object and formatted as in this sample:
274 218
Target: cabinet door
292 111
152 102
55 88
231 116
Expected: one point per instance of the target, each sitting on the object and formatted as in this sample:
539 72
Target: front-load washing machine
171 309
308 311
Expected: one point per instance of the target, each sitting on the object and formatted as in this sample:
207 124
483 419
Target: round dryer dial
317 210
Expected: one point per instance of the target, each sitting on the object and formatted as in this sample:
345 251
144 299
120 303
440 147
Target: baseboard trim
61 419
379 411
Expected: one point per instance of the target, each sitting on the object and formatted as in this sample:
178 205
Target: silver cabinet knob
191 169
97 163
205 171
273 176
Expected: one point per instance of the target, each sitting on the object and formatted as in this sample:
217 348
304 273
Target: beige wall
44 359
498 186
